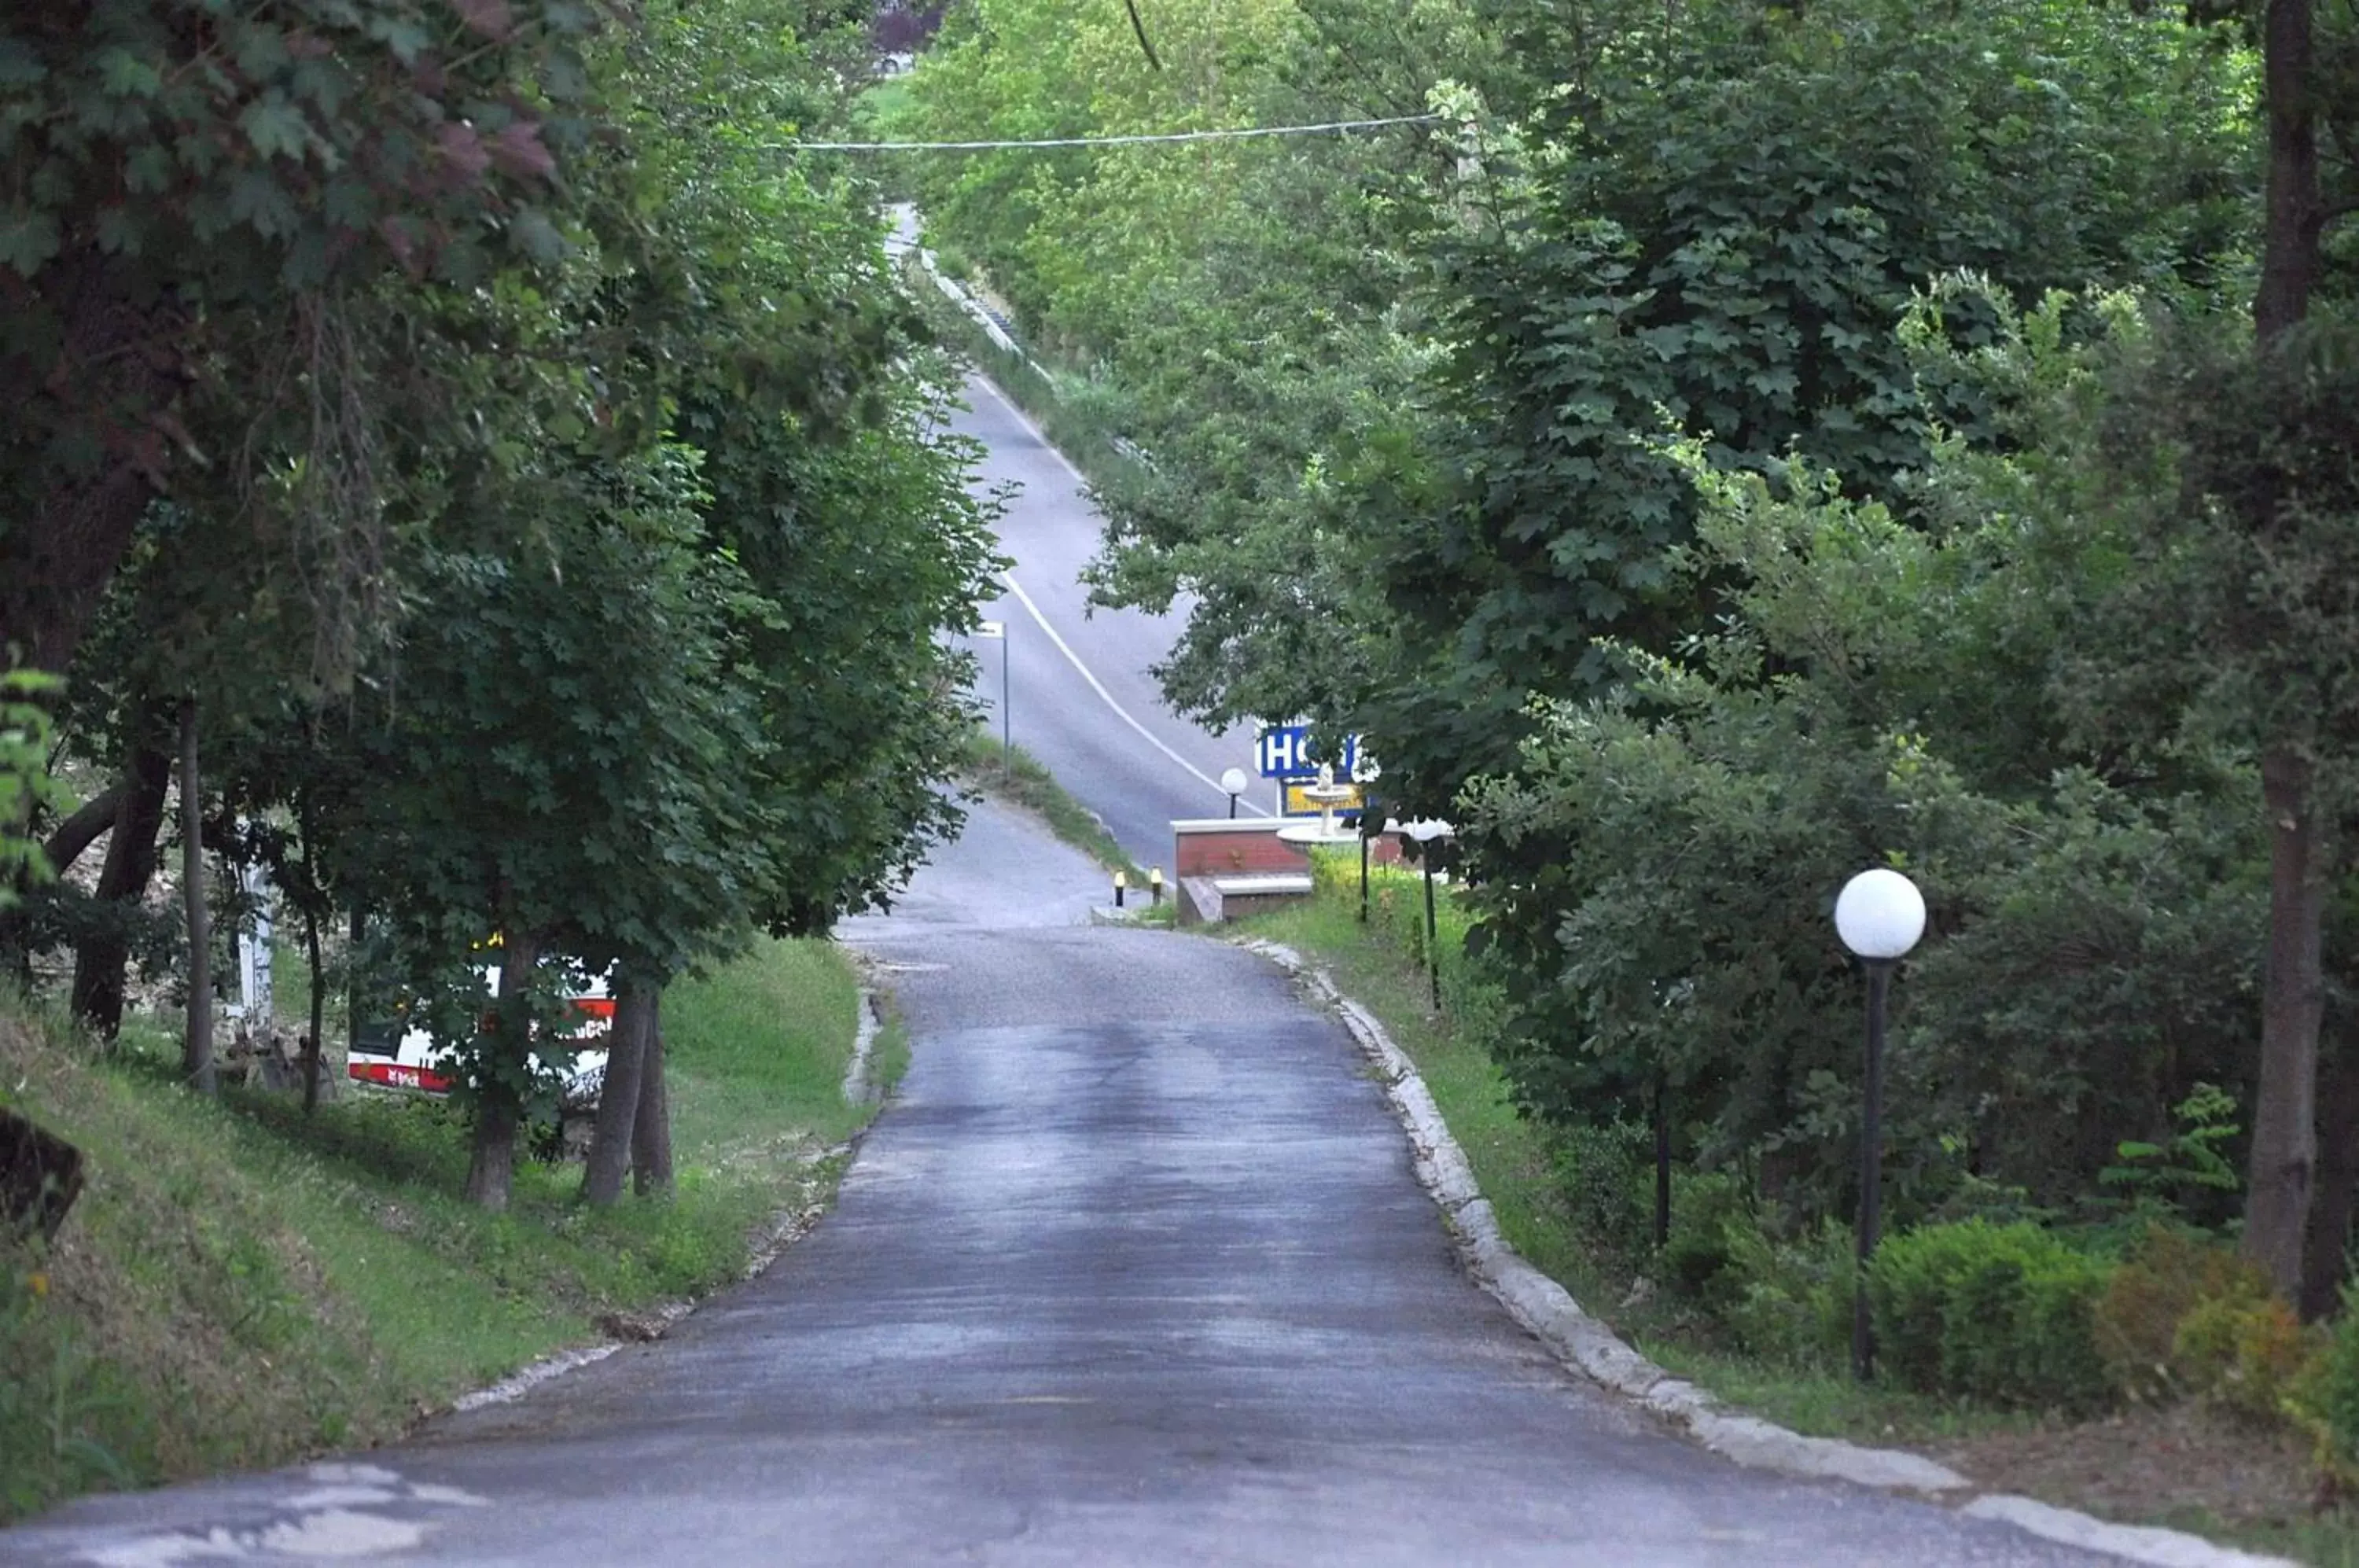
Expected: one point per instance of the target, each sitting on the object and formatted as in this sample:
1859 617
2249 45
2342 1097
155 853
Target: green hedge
1470 992
2326 1399
2001 1313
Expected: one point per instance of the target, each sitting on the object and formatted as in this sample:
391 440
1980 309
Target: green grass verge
1020 778
1381 964
880 105
240 1285
2329 1540
1056 398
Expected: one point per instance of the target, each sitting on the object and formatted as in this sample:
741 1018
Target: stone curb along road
859 1080
1549 1313
782 1231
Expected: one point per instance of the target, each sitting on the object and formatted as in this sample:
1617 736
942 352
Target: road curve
1080 696
1134 1271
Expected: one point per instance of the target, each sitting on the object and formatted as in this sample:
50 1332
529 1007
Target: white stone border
783 1231
531 1377
1544 1308
859 1089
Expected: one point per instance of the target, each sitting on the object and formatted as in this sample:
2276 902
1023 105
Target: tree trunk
64 845
1662 1167
627 1044
651 1128
2285 1112
78 832
2328 1258
497 1115
197 1045
315 901
122 885
2285 1127
2295 214
492 1173
119 353
318 1005
356 1005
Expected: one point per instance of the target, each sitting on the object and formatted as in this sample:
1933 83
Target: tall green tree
193 191
2287 476
1725 222
557 767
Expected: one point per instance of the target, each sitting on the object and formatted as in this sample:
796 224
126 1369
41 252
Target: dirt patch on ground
2148 1464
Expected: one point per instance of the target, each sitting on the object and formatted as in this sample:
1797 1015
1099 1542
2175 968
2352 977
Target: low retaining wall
1226 868
1219 846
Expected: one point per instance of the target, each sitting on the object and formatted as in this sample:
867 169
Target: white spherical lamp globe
1880 914
1234 781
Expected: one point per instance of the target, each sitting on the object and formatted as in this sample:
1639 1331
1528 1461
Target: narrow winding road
1081 698
1134 1271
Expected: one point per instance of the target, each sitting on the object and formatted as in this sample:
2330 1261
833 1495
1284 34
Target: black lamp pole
1432 952
1871 1168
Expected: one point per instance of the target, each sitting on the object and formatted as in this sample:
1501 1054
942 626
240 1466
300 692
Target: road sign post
1006 718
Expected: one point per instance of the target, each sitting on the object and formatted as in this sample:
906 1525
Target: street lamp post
1364 869
1879 915
1427 832
1234 781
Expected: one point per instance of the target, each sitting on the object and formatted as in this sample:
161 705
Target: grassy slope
1513 1160
239 1287
1017 776
1054 396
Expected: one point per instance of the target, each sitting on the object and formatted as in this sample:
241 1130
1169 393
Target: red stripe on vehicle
393 1075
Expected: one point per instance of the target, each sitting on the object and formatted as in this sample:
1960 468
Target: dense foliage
527 486
1710 451
1735 446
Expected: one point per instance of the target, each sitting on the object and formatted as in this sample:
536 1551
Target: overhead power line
1238 134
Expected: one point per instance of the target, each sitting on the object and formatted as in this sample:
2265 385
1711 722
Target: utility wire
1109 141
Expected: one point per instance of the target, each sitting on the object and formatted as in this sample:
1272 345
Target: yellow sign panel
1298 806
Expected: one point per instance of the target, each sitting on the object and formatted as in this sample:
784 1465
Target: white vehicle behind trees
396 1054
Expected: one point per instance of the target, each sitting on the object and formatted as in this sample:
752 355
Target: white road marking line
1120 711
1062 647
1021 418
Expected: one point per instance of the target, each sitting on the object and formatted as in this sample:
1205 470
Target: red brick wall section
1248 851
1229 854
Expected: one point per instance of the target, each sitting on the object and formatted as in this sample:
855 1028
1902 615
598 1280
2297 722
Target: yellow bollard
1155 885
1121 881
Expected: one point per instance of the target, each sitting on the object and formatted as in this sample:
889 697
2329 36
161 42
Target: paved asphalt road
1135 1270
1106 734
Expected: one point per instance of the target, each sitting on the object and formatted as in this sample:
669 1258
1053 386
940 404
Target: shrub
2193 1162
1790 1300
2324 1399
1607 1176
2173 1314
1707 1211
2244 1354
1999 1313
